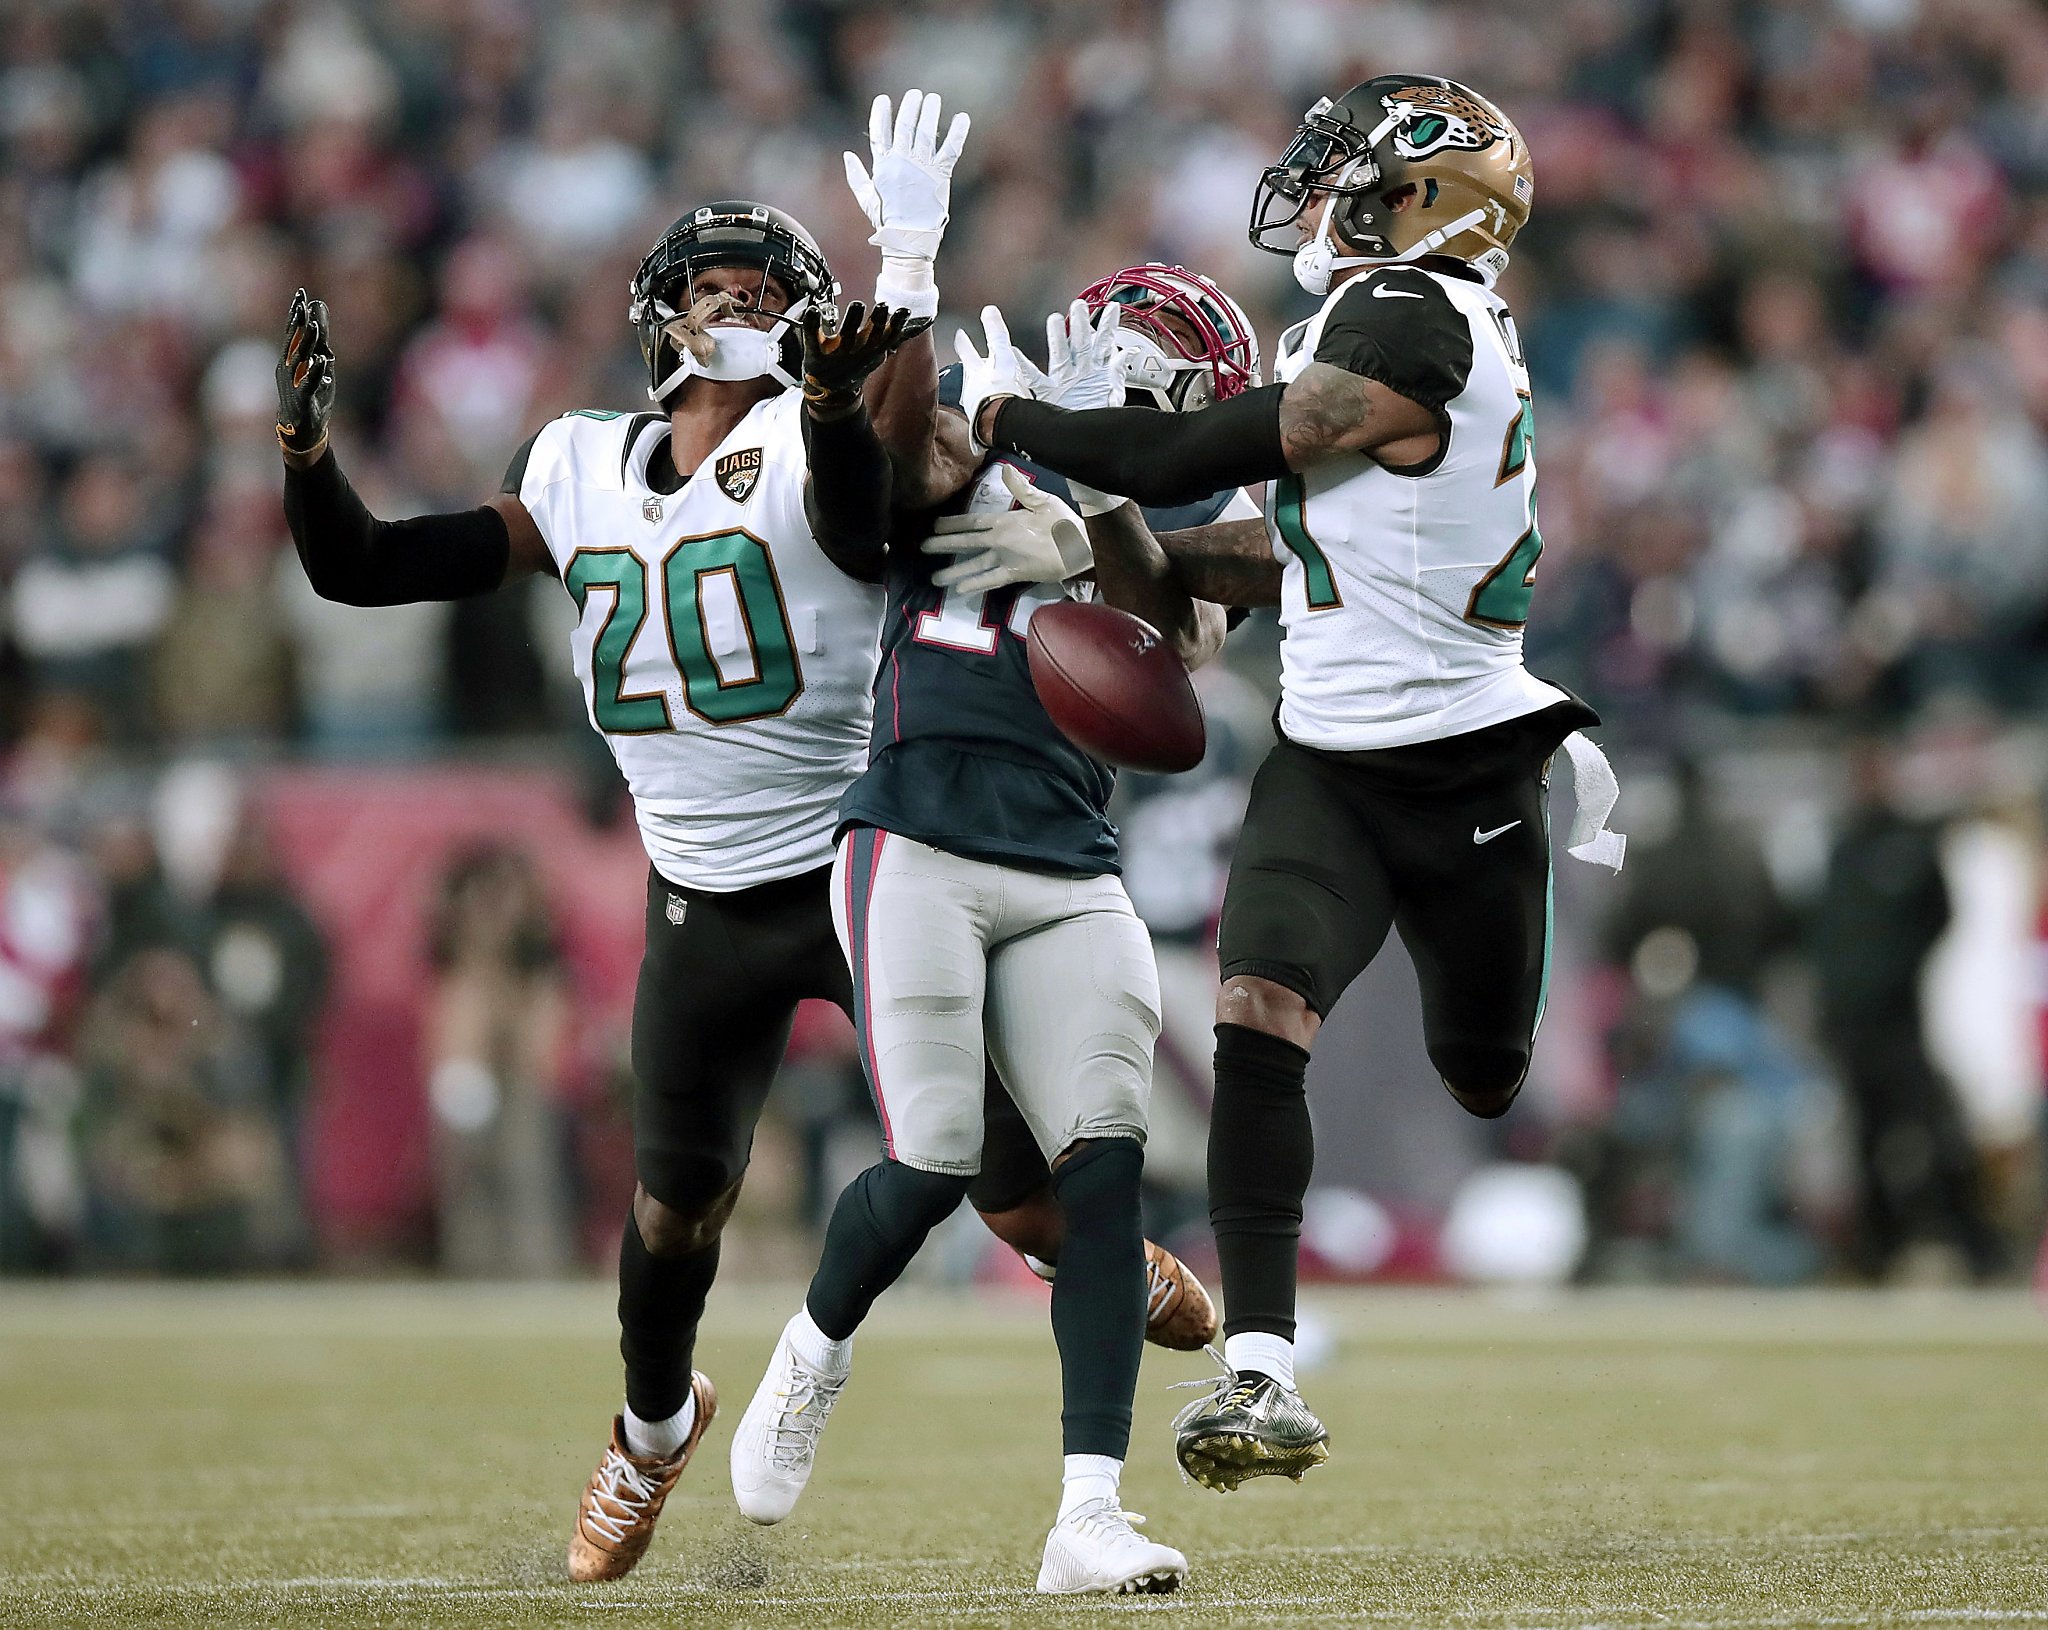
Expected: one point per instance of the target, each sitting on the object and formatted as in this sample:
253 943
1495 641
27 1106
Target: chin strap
1317 262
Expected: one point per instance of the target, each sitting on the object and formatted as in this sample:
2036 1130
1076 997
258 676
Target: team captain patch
736 473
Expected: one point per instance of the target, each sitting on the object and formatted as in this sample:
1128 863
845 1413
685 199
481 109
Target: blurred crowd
1785 300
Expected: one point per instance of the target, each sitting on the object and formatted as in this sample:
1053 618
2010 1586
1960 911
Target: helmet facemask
666 297
1182 341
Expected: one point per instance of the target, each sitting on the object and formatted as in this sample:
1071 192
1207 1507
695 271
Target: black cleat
1249 1426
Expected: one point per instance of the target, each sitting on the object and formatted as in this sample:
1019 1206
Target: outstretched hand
838 360
1040 540
1083 369
305 380
907 198
1004 371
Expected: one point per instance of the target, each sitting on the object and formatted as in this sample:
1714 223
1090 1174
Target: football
1115 688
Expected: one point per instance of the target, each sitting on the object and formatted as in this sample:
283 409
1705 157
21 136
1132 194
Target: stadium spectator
86 607
496 1035
186 1168
1884 906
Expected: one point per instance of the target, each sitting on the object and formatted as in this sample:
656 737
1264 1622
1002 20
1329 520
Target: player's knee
1093 1176
899 1198
1484 1080
1032 1225
686 1229
1262 1004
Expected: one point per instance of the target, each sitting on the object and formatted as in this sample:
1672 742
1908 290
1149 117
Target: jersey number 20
680 579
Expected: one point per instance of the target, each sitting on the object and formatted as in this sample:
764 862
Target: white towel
1594 789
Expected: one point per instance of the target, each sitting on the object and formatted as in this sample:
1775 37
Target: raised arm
351 556
1391 355
1177 458
847 494
907 199
927 444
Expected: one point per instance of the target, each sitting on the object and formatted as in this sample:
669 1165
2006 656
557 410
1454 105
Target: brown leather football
1115 687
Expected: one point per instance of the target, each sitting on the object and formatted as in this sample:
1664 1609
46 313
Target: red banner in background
367 848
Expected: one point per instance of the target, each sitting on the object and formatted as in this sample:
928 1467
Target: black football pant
1447 843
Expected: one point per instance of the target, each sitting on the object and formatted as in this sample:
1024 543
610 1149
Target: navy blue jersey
964 756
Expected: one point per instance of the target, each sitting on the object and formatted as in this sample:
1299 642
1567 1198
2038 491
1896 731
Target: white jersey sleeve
727 663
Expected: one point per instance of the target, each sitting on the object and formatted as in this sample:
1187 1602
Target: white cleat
777 1441
1097 1549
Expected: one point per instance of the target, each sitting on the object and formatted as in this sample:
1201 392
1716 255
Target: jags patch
1436 117
737 473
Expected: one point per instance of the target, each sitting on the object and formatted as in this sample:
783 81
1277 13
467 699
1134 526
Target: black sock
661 1302
876 1228
1261 1152
1098 1300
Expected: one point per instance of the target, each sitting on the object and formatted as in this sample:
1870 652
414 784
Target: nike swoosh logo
1381 292
1488 837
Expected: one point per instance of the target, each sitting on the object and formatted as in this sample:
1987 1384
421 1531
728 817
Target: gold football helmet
1402 166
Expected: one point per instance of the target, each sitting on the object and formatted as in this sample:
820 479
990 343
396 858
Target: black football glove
305 379
838 360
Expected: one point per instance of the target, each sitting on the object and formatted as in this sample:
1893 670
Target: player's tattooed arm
1230 563
1326 409
1258 435
1133 573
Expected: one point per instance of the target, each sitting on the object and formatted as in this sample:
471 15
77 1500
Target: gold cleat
1247 1427
625 1495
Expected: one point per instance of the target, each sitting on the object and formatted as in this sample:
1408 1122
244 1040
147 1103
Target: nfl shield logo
651 511
736 473
678 909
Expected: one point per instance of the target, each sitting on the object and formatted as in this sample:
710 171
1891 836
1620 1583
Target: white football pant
1056 972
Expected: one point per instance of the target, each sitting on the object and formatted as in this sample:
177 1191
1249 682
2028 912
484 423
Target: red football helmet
1207 353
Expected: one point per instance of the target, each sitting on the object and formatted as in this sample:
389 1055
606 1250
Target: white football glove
907 198
1040 541
1083 369
1003 372
1086 371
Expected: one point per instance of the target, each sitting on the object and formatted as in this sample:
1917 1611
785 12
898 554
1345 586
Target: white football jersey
1405 592
728 663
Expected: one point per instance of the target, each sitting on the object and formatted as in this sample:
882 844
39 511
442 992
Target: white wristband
907 285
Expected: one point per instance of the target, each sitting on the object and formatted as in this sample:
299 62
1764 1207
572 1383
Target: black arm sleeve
1155 458
847 496
353 557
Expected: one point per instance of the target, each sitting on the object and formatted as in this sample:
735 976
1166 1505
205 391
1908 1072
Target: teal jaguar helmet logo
1436 119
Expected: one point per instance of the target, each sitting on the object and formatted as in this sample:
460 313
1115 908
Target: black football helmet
731 232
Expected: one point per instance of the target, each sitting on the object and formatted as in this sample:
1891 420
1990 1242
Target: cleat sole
1225 1462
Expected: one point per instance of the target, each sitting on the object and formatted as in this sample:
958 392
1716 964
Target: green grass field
410 1456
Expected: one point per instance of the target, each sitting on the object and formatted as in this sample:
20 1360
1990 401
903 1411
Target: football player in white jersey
1408 789
722 552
